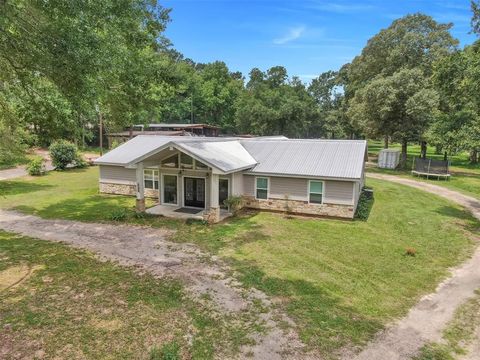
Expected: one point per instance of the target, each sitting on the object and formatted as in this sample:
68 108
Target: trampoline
431 168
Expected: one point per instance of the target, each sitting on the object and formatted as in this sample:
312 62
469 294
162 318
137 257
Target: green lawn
465 176
340 280
72 306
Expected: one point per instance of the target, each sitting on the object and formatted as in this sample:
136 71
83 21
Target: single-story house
196 174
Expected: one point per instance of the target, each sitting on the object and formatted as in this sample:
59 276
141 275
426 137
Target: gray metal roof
227 156
319 158
277 156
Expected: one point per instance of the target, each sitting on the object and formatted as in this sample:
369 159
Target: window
186 162
261 188
150 179
171 162
169 189
315 192
200 165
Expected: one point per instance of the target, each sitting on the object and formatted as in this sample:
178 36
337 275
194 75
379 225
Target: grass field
57 302
465 176
341 281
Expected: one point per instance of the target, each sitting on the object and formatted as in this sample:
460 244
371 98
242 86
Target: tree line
66 64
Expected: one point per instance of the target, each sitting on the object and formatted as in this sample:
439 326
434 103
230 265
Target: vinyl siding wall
334 192
117 175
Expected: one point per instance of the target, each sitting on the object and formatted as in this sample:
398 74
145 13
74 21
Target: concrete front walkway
426 320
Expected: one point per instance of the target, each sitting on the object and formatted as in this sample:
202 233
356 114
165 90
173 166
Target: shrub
80 162
364 206
233 203
410 251
36 167
63 153
119 215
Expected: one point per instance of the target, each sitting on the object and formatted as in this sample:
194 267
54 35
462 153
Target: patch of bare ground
208 279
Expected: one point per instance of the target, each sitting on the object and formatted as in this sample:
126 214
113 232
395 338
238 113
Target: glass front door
169 189
194 192
222 192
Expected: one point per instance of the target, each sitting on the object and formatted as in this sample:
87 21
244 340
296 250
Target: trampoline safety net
431 166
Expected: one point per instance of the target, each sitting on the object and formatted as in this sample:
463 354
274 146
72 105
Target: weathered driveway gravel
148 249
426 320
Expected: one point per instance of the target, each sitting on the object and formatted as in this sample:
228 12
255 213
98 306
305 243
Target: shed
388 158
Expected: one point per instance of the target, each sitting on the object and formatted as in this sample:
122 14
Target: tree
75 56
457 78
397 106
272 104
475 6
405 51
332 121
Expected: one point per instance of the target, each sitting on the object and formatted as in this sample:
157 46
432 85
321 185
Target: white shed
388 158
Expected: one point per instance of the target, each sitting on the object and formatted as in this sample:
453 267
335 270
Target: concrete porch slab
169 211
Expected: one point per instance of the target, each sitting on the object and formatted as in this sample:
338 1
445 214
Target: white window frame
157 177
268 187
162 191
322 193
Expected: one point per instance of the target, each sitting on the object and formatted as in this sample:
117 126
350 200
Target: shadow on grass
469 223
322 320
20 187
91 208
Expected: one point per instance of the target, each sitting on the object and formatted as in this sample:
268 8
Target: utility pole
191 109
100 128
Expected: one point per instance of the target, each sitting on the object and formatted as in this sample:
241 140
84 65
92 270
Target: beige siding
117 174
249 185
294 188
338 192
237 184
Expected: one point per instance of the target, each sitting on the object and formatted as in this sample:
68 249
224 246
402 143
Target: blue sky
307 37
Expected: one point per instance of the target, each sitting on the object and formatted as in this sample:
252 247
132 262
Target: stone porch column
140 200
212 215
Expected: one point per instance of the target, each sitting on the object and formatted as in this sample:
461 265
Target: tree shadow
323 320
20 187
468 222
91 208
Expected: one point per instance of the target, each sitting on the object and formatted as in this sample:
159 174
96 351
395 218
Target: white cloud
292 34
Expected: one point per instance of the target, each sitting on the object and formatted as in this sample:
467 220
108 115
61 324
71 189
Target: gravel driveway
426 320
148 249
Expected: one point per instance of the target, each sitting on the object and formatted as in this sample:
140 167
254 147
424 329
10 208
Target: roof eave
339 178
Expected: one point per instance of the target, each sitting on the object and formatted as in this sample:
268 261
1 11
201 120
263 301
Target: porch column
212 215
140 200
214 191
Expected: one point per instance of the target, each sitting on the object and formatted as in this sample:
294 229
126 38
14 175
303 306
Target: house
163 130
195 175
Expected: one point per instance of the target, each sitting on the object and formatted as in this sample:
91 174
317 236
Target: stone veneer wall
125 189
212 215
300 207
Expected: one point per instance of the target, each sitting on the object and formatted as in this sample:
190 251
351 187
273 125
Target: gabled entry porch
187 186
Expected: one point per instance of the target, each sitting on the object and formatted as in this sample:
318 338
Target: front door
222 192
194 192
